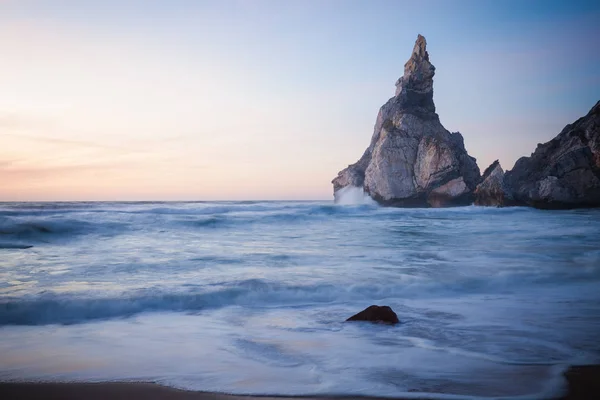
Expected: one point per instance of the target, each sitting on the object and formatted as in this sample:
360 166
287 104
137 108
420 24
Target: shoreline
146 390
583 383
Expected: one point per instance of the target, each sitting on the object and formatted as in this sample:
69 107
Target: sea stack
413 161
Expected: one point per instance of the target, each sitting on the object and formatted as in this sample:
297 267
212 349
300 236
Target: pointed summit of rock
413 161
420 48
492 191
415 87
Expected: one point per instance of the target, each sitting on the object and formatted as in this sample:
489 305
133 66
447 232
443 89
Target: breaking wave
56 308
28 226
42 227
70 309
23 233
352 195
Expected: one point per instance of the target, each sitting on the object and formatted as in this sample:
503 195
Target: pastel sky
250 99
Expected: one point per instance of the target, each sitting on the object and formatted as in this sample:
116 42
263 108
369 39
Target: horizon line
159 201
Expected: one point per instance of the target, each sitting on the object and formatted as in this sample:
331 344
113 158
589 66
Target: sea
251 297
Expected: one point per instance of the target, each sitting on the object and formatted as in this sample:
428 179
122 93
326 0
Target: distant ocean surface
250 297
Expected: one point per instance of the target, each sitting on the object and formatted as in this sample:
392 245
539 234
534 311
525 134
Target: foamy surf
352 196
250 297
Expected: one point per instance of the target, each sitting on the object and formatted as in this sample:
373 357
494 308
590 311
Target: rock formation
377 315
563 173
412 159
491 191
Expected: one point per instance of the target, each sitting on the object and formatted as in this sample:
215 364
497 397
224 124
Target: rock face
376 314
563 173
491 191
413 161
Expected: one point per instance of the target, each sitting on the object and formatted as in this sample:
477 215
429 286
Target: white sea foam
352 196
251 297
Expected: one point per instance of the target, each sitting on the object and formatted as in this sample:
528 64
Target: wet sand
121 391
583 384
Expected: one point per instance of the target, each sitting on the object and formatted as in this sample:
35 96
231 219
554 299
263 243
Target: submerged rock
491 191
376 314
413 161
583 382
563 173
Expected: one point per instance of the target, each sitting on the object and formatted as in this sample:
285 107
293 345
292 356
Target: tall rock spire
415 87
413 161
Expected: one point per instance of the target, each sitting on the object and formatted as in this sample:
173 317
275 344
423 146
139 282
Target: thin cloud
8 169
15 122
12 120
18 169
81 143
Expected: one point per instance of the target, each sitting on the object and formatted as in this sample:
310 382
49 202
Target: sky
268 100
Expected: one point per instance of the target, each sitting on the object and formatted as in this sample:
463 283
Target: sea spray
352 196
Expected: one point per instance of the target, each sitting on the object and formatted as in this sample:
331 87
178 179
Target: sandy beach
118 391
583 384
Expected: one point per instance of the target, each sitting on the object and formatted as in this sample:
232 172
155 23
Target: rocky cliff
563 173
412 160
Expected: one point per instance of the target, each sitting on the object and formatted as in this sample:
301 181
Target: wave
165 208
208 222
168 208
282 215
41 227
34 224
58 308
17 233
15 246
256 212
69 309
53 308
352 195
24 234
317 212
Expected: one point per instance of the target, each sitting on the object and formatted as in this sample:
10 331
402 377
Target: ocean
251 297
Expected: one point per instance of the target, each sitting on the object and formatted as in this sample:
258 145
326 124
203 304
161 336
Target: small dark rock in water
583 382
377 315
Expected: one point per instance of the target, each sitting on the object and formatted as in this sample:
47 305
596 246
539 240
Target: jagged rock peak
491 191
414 90
418 71
488 171
412 160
